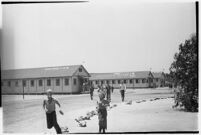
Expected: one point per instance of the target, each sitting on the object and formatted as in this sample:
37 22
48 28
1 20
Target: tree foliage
184 72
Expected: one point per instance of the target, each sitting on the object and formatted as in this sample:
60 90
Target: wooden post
53 83
43 81
23 88
62 84
28 86
72 84
36 86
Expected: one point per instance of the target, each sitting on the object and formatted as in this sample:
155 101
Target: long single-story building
159 79
62 79
70 79
139 79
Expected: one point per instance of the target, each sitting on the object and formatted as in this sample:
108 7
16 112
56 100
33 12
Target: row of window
40 82
125 81
159 80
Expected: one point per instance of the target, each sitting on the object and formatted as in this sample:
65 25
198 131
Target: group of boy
49 106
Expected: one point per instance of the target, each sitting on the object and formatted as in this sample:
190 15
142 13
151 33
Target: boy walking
108 91
91 91
49 106
122 90
102 112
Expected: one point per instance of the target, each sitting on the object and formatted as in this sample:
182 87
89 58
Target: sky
103 36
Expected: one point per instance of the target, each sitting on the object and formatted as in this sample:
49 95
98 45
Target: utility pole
23 88
150 79
163 79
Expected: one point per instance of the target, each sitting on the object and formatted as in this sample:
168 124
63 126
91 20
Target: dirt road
27 116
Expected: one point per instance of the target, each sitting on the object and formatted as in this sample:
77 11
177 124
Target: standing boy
122 90
91 91
108 92
49 106
102 112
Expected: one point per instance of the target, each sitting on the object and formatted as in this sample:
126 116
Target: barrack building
140 79
70 79
63 79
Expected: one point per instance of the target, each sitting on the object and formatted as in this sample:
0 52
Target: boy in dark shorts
122 90
102 112
49 106
91 91
108 91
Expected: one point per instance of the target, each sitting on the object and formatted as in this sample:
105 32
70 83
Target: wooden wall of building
36 88
130 83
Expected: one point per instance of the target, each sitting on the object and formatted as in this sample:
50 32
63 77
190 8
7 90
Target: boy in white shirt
122 90
50 109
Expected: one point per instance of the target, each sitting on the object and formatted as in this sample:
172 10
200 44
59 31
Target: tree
184 72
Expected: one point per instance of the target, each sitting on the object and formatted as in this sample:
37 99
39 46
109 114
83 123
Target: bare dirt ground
28 116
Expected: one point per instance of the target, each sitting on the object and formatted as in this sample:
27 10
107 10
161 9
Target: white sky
107 36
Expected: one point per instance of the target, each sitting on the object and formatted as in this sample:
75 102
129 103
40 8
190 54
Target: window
113 82
96 82
118 81
9 83
137 81
124 81
151 80
131 81
80 69
143 80
74 81
24 83
66 81
101 82
40 82
32 83
57 82
107 82
48 82
156 79
16 83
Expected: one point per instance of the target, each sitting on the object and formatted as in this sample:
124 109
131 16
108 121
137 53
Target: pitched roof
119 75
58 71
157 74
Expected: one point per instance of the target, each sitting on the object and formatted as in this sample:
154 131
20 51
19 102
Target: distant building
140 79
72 79
62 79
159 79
